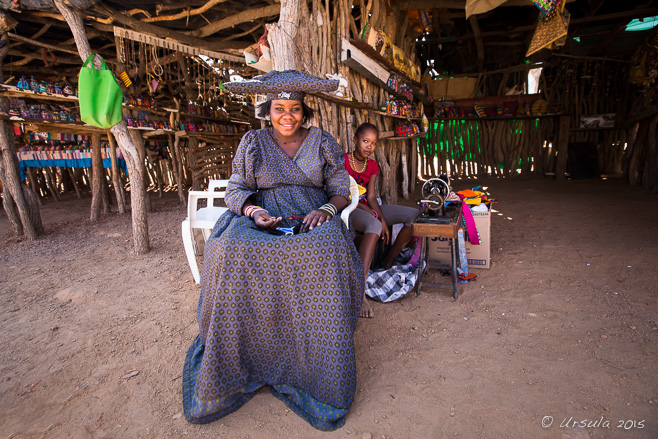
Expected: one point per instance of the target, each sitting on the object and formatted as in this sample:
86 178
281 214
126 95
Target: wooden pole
116 180
179 169
75 183
51 181
405 169
280 35
105 192
155 170
414 165
25 216
137 193
562 147
96 176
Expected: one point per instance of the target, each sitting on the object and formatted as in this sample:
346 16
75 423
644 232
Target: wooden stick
116 180
185 14
40 44
75 183
52 184
241 17
562 147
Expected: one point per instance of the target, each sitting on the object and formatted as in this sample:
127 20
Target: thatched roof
489 41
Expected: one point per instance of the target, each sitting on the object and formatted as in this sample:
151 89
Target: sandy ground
564 325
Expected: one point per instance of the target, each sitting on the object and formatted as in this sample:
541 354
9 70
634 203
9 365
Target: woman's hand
263 219
314 219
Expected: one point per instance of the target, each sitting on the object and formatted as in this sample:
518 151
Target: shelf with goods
54 126
344 102
146 109
9 91
359 56
386 136
209 134
516 117
397 116
214 119
362 58
15 92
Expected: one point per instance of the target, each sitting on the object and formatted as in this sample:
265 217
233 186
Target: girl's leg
372 228
396 215
367 252
403 238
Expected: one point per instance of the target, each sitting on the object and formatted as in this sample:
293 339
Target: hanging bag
100 95
551 29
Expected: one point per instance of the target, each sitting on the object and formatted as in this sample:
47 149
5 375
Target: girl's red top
362 178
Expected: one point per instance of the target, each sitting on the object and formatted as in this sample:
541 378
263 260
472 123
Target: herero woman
282 282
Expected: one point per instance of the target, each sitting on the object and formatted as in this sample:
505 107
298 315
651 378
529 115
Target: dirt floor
561 331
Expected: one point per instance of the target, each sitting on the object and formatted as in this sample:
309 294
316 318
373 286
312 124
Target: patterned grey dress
278 310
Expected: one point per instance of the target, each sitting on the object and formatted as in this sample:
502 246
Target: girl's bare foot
366 309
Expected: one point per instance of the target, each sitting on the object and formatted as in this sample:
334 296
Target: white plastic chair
354 194
204 219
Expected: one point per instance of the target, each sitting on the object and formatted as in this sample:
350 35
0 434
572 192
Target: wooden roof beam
172 35
522 29
40 44
239 18
184 14
478 41
37 55
456 4
253 29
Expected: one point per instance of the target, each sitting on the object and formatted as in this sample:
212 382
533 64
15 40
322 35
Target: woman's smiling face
286 116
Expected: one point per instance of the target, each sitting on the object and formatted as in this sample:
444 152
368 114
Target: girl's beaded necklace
353 163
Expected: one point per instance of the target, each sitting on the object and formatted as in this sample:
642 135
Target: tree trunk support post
23 214
120 131
96 177
280 36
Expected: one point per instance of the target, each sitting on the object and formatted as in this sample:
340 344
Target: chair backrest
206 217
214 185
354 200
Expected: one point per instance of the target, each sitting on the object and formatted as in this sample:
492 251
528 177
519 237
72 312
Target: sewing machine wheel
434 193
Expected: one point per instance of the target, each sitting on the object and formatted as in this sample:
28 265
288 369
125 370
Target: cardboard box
478 256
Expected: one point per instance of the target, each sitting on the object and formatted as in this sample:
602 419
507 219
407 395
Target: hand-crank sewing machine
435 193
437 221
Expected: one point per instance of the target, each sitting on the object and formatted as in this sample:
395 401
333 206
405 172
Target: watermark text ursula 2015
571 422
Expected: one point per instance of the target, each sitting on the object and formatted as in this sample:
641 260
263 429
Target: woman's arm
242 186
336 183
242 183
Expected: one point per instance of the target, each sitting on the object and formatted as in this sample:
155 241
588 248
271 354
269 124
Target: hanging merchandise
544 6
158 70
122 60
552 29
126 79
100 95
425 22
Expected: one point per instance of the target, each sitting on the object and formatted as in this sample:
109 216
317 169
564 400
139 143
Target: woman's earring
268 117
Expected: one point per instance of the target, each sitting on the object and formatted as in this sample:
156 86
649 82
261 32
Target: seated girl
369 217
